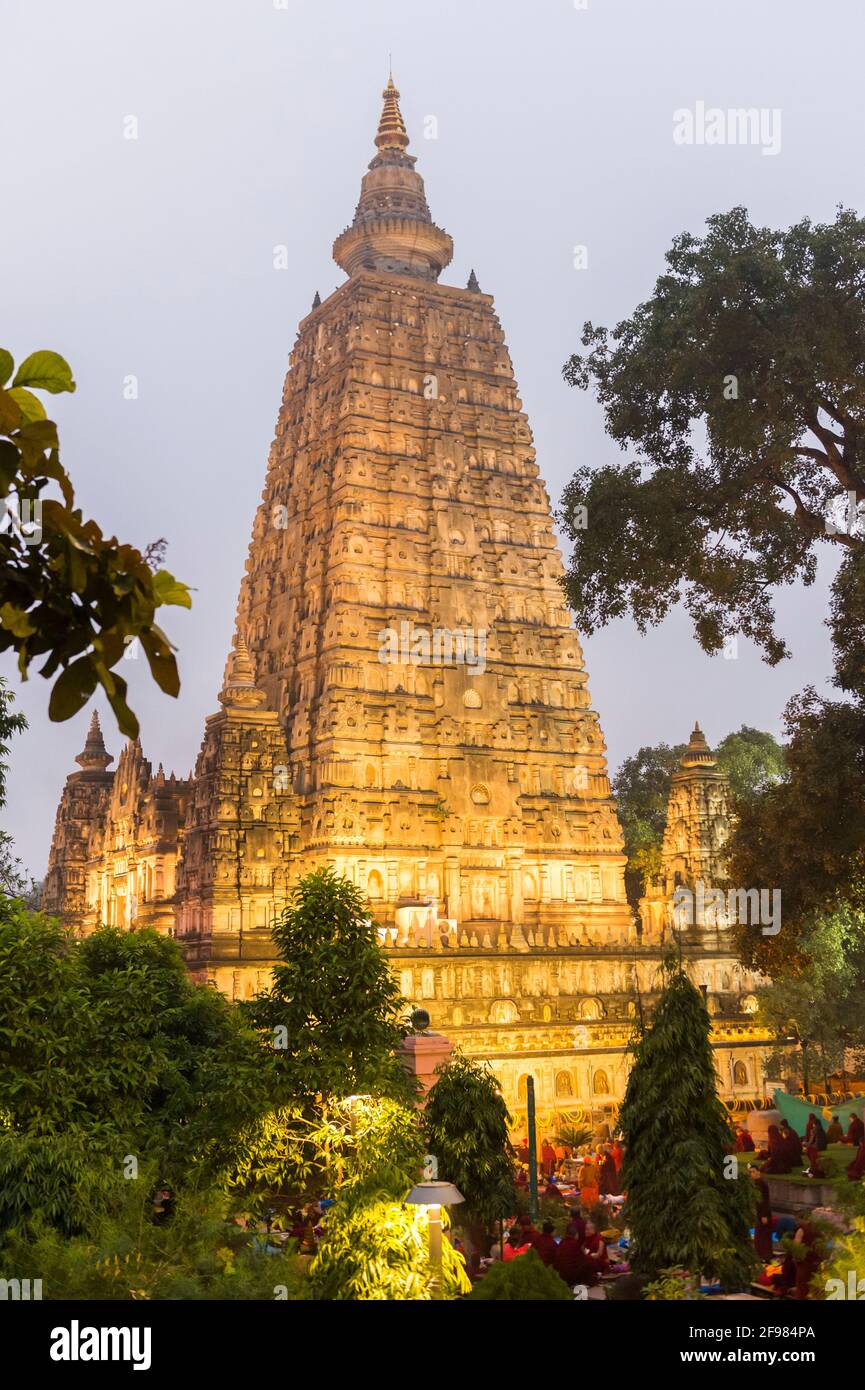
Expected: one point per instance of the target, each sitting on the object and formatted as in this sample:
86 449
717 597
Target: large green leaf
167 589
7 363
30 406
15 620
45 371
72 689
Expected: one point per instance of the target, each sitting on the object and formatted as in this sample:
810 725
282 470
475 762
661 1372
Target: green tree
68 594
377 1247
752 759
821 1001
466 1122
15 882
805 835
334 1011
740 385
108 1050
521 1280
683 1208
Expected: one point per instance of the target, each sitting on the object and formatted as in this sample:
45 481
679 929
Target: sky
154 157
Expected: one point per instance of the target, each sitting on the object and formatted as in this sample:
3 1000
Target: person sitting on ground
796 1275
815 1169
552 1190
744 1142
834 1132
515 1244
855 1131
792 1144
815 1133
546 1244
576 1225
571 1262
527 1228
856 1170
596 1252
777 1158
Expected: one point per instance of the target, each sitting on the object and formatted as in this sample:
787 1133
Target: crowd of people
579 1255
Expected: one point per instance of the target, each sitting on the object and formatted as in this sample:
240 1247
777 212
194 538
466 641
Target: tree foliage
752 760
69 594
466 1122
740 385
523 1279
334 1011
682 1208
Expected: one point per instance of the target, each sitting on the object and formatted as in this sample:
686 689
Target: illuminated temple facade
406 701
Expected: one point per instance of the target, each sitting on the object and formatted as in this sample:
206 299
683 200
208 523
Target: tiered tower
406 700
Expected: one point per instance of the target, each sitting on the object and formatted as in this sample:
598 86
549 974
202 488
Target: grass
836 1159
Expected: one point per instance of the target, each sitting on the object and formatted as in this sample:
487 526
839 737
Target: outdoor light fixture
434 1196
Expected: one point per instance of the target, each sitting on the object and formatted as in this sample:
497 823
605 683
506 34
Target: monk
792 1144
855 1132
571 1261
609 1182
796 1275
515 1245
618 1152
815 1133
815 1168
834 1132
778 1160
744 1142
552 1190
589 1181
596 1253
856 1170
545 1243
577 1225
548 1158
762 1217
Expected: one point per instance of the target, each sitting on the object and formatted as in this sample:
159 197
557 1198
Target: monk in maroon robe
778 1160
856 1170
609 1173
596 1253
744 1142
815 1133
815 1168
796 1275
571 1262
792 1145
855 1132
762 1217
545 1243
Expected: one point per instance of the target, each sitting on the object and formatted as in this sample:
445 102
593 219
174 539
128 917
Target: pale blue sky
154 257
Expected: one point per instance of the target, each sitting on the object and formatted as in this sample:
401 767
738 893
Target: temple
406 701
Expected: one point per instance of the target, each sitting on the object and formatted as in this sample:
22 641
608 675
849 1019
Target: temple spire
93 756
392 228
391 133
238 686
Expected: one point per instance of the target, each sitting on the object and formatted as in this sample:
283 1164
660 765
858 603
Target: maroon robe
855 1132
779 1159
763 1222
570 1261
856 1169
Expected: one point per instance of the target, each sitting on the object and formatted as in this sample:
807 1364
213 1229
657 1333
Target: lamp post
434 1196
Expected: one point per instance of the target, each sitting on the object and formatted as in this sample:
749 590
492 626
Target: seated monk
571 1262
778 1159
834 1132
744 1142
796 1275
856 1170
815 1133
545 1243
596 1253
792 1144
552 1190
855 1132
815 1169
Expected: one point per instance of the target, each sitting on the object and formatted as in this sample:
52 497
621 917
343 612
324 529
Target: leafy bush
521 1279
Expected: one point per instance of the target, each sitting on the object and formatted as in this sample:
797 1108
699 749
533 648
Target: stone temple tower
406 700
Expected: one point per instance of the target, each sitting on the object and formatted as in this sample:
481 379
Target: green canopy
796 1110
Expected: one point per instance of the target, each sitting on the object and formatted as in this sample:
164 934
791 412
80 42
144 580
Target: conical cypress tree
685 1205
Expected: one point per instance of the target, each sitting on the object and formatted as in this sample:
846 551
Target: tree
805 835
683 1208
820 1000
333 1010
376 1246
521 1280
15 882
466 1122
108 1051
752 759
68 593
753 340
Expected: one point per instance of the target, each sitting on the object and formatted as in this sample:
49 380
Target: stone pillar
421 1054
